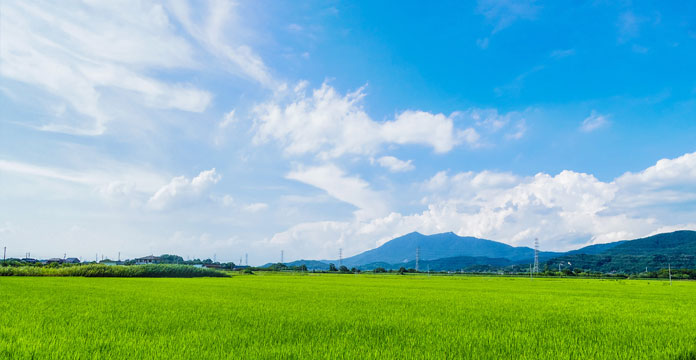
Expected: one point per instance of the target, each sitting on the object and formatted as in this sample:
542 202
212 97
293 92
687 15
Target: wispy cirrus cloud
594 122
75 52
503 13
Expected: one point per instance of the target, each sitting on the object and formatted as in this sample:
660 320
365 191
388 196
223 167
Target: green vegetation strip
292 316
159 270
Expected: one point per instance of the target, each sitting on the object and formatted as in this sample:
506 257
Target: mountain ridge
448 251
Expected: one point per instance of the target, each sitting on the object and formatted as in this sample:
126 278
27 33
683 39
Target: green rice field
308 316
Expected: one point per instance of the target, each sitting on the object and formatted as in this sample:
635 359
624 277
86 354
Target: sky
219 129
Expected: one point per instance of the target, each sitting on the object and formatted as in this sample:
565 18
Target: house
147 260
54 261
240 267
212 266
71 261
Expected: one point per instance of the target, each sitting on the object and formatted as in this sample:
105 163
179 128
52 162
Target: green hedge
97 270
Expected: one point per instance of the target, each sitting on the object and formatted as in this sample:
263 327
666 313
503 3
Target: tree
402 270
354 270
332 267
343 269
171 259
380 270
303 267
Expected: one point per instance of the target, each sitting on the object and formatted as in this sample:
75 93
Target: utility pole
119 258
281 256
246 259
417 257
669 266
536 255
530 271
4 254
214 258
340 257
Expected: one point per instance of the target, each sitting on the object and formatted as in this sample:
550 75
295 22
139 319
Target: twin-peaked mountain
448 251
430 247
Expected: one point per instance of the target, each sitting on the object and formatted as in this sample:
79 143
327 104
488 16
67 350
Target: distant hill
632 256
438 246
310 264
444 264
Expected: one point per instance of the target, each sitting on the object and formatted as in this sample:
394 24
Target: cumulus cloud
565 211
181 188
593 122
75 52
394 164
331 125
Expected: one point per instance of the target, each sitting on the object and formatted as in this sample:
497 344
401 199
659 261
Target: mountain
677 249
450 252
438 246
447 264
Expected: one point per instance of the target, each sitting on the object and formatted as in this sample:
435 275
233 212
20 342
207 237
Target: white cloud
111 178
220 20
350 189
562 53
482 43
394 164
594 121
331 125
680 171
228 119
75 52
505 12
256 207
629 26
180 188
565 211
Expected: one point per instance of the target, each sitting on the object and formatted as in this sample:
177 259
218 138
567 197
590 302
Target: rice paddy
346 316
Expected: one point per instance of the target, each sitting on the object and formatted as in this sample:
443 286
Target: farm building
147 260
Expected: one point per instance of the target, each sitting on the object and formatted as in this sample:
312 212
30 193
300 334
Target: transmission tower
246 259
340 257
417 257
536 255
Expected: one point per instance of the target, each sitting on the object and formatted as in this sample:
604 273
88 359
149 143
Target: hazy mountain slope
438 246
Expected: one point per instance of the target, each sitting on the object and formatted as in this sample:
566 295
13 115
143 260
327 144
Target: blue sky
222 128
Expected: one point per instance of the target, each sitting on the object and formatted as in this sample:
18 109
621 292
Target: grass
346 316
97 270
